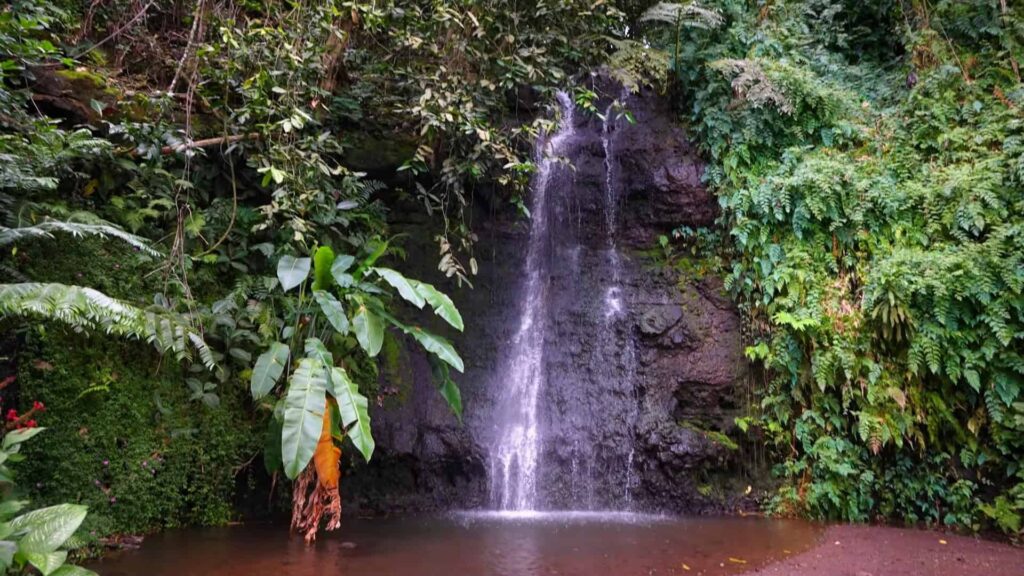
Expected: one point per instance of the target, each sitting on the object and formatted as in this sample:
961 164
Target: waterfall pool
476 544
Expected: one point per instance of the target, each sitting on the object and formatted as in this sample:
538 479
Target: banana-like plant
321 403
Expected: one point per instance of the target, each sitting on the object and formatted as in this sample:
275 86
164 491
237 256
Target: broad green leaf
446 386
438 346
269 367
333 310
323 260
339 270
303 415
369 329
442 304
72 570
47 529
47 562
292 271
342 263
315 349
402 284
7 550
352 406
18 436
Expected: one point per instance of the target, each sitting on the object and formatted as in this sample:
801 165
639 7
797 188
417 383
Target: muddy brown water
476 544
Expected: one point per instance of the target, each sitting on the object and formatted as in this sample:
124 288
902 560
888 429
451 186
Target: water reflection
476 544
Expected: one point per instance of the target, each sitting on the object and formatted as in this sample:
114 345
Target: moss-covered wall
124 438
123 435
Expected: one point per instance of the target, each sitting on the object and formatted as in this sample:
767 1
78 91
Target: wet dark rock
636 404
658 319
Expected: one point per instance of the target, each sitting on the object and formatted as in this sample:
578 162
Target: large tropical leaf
269 367
7 551
339 270
315 349
333 310
47 562
369 329
47 529
438 346
441 303
303 415
405 288
446 386
15 437
353 407
292 271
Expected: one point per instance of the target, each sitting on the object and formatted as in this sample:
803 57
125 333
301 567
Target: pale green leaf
292 271
47 562
18 436
438 346
303 415
47 529
353 408
405 288
269 367
333 310
441 303
369 329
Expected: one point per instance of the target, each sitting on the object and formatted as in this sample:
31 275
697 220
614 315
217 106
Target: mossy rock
76 95
124 437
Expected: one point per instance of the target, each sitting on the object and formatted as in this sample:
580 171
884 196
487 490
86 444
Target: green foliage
875 206
39 538
85 308
316 373
125 438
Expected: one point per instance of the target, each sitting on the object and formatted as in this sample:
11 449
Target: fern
87 309
76 229
750 83
691 14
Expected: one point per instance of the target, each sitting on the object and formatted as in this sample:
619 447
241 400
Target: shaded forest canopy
192 163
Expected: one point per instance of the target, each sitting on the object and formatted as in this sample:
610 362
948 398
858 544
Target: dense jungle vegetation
199 276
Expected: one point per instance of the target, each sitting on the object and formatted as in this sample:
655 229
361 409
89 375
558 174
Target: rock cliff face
641 369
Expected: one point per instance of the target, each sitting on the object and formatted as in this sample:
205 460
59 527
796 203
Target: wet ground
881 551
481 544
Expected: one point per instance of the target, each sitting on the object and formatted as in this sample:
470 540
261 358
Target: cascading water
613 293
516 454
566 413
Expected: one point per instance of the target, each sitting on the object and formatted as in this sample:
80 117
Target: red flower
39 406
12 415
30 424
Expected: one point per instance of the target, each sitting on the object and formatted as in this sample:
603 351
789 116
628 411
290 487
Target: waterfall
614 311
516 454
566 410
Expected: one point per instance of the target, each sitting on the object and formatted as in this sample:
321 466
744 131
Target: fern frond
77 229
690 14
85 308
750 82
